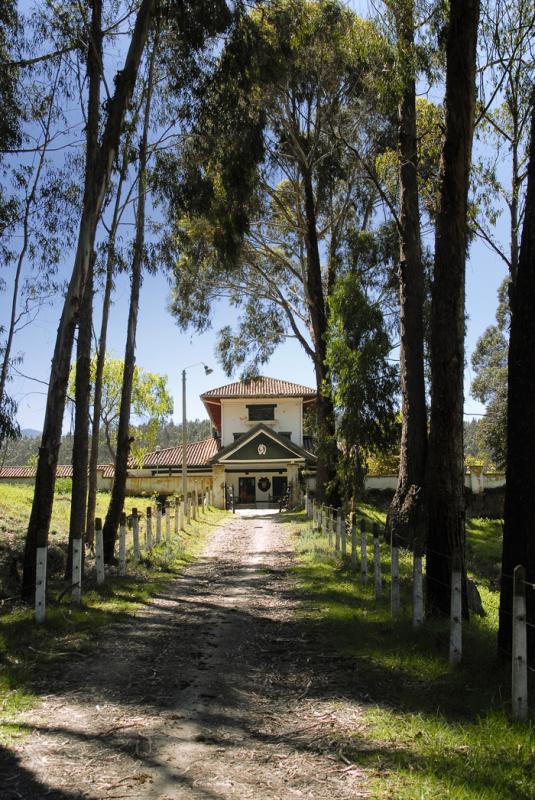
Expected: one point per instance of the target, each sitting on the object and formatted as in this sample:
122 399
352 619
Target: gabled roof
256 388
285 448
260 387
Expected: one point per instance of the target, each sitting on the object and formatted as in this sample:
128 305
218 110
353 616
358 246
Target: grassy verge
30 652
432 731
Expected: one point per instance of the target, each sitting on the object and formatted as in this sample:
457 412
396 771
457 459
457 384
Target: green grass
28 651
432 731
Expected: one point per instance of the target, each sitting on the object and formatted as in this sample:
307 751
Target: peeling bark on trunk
405 521
80 450
115 507
99 369
83 357
326 487
37 534
519 516
445 498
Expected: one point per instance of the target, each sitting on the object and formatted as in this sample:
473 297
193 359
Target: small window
259 413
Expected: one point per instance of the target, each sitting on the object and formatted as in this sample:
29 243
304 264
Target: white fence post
353 543
338 528
188 508
343 533
456 630
135 535
417 591
149 528
40 584
167 522
182 526
99 551
519 660
377 563
76 573
395 603
122 545
363 554
177 503
195 504
158 524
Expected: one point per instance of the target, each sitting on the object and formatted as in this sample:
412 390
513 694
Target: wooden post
167 523
182 526
338 528
363 554
353 543
99 551
177 504
135 535
122 544
158 524
149 528
76 575
188 508
417 591
40 584
395 602
377 563
195 504
456 630
519 660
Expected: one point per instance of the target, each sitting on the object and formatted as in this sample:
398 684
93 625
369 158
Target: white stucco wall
288 417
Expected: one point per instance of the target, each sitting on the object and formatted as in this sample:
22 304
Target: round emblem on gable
262 449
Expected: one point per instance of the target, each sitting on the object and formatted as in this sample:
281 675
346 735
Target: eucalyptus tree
95 188
138 256
519 517
445 481
364 381
268 196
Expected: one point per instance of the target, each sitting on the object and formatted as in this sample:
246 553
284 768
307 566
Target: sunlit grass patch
431 730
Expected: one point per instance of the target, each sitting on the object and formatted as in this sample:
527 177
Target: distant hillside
30 433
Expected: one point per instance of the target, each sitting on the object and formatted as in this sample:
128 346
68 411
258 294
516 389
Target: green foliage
290 76
489 362
151 402
365 384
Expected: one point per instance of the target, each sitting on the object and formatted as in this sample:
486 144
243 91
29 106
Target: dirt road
214 691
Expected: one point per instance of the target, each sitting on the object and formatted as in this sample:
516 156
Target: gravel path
213 691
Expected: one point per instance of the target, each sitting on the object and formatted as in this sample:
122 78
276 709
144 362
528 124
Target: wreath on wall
264 484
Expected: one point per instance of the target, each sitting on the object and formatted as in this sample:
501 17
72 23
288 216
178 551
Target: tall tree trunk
519 517
326 478
37 534
405 521
123 433
80 448
83 355
100 360
446 531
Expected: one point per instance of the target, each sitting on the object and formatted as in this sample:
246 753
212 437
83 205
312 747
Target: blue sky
163 348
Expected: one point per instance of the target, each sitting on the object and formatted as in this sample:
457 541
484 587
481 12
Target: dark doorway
280 484
247 490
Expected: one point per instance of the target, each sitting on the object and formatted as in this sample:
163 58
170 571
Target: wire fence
340 533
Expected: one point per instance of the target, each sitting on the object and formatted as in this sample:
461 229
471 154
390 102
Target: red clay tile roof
261 387
197 454
63 471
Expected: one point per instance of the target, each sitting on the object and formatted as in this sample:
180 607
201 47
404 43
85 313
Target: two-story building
259 426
